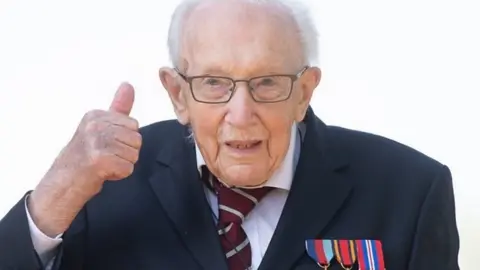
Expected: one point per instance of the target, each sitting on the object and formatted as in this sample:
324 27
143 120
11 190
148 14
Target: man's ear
171 82
309 81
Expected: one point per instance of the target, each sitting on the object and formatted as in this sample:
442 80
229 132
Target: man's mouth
244 144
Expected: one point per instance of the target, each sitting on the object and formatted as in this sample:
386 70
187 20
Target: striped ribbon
320 250
370 255
345 252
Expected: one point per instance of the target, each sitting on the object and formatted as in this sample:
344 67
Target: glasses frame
293 78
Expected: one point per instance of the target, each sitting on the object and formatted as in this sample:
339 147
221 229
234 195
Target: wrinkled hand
104 147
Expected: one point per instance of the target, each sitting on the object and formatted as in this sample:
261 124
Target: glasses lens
212 89
271 88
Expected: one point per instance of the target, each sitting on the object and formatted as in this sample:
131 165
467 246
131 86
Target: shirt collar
283 176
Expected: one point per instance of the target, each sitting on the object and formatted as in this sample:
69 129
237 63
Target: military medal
321 251
370 255
345 253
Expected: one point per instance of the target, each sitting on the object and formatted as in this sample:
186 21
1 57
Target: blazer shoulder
383 154
379 164
158 134
167 129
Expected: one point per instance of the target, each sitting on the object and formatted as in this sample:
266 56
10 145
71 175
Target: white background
408 70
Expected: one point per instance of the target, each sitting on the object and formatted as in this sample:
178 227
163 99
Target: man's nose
241 107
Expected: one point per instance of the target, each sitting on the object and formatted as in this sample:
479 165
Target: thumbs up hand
104 147
113 136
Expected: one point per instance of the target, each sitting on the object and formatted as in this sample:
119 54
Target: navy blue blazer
347 185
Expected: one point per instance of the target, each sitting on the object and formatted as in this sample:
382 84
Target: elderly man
246 177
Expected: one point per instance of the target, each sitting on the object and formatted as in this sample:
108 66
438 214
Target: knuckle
129 154
124 169
129 169
93 114
137 139
134 123
135 156
93 126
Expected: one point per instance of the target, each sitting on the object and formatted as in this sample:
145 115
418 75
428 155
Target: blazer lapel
317 193
178 186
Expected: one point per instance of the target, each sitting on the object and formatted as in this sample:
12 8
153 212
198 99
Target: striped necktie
234 204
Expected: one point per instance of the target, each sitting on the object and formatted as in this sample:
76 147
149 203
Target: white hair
300 14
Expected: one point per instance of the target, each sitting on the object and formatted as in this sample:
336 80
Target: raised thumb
123 100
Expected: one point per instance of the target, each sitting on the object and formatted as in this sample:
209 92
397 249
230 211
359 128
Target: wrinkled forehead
240 39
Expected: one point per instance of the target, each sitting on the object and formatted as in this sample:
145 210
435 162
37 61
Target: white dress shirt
259 225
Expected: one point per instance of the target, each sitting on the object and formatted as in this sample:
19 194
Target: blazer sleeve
436 243
16 246
18 252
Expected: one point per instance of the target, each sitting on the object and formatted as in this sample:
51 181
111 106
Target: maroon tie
234 204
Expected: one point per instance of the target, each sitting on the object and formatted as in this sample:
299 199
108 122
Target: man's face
242 141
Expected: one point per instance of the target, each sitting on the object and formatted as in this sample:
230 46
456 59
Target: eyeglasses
263 89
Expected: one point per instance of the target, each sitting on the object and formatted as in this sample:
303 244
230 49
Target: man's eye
267 81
